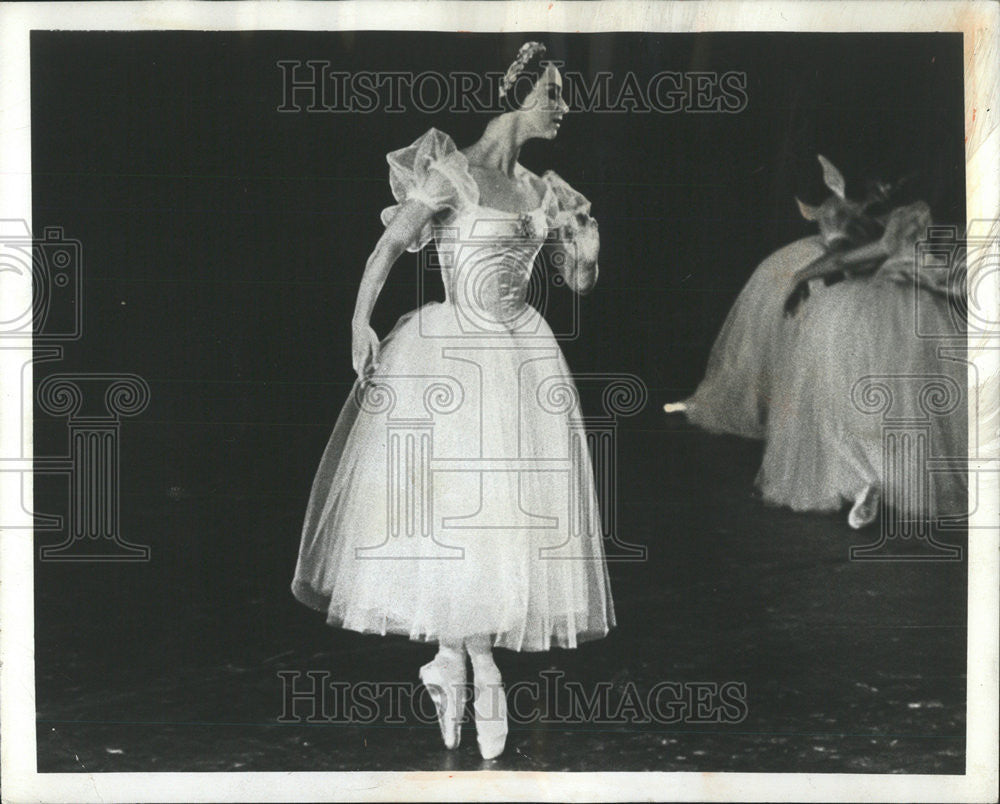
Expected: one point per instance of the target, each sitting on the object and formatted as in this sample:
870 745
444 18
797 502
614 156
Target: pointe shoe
491 711
675 407
865 508
445 681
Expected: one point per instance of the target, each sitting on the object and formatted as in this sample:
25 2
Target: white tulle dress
456 496
864 386
737 389
871 389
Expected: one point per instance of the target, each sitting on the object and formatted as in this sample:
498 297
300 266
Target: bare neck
500 145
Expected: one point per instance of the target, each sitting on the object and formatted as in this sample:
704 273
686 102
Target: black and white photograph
499 401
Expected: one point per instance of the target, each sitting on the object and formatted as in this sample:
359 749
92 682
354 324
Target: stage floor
173 664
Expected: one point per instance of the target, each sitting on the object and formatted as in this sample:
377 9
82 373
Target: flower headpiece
527 52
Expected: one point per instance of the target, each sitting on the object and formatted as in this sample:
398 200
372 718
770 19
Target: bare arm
856 262
400 233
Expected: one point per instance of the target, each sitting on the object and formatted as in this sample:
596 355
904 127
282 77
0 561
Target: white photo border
977 21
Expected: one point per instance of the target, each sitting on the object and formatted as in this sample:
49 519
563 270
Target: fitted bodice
485 254
486 257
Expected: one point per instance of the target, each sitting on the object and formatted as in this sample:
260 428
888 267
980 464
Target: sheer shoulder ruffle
563 202
433 171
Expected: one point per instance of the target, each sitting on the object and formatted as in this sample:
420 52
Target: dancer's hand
582 232
364 349
795 298
577 246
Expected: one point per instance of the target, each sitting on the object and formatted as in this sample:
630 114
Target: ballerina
823 446
478 528
815 319
735 393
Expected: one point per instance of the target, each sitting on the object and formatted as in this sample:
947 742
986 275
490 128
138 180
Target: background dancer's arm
856 262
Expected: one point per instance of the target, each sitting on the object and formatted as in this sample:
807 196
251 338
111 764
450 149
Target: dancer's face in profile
839 220
834 219
543 109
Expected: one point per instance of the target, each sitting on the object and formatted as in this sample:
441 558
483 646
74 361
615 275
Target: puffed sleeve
433 171
564 203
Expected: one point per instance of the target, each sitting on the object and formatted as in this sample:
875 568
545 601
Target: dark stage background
223 244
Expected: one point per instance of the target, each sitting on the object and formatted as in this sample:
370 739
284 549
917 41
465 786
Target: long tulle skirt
871 389
456 495
735 395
